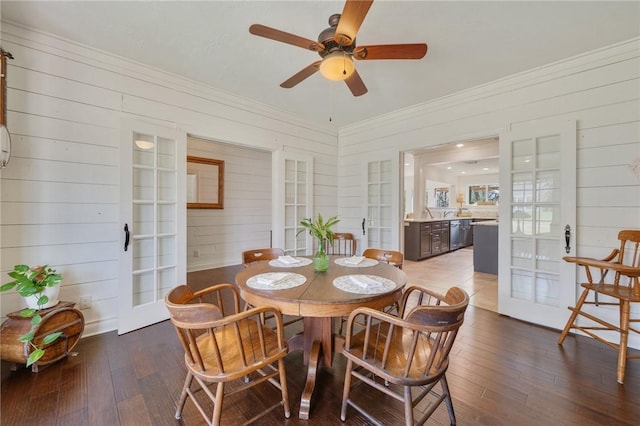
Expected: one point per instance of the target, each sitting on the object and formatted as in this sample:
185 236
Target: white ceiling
470 43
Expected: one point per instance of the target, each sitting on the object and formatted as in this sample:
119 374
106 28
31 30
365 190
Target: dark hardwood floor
502 372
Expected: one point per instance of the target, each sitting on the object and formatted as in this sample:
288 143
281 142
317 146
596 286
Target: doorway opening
448 182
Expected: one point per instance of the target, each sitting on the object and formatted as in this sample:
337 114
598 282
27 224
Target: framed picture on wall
205 183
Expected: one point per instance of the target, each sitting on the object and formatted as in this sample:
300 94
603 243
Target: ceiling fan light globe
337 66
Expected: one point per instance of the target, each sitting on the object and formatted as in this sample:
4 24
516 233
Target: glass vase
320 259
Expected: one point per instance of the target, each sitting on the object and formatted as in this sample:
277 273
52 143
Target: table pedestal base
317 342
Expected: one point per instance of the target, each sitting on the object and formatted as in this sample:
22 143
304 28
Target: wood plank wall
600 90
60 194
219 236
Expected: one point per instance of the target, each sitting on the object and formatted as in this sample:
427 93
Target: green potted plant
321 230
39 287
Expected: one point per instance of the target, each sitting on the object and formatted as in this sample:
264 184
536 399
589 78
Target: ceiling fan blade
301 75
391 51
277 35
352 16
355 84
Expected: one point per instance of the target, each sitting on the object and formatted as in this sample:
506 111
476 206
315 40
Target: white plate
304 261
366 262
345 283
276 281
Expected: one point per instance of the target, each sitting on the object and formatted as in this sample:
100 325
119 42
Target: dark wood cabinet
425 239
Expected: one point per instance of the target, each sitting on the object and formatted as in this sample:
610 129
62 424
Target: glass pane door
292 191
295 206
153 232
536 284
381 217
154 213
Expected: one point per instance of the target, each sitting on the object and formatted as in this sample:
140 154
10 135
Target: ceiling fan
336 46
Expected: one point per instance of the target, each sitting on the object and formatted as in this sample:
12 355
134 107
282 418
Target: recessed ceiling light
449 168
485 168
462 172
460 145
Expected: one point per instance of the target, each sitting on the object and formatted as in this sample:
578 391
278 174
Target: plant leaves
319 228
42 300
8 286
27 337
27 312
50 338
37 319
35 356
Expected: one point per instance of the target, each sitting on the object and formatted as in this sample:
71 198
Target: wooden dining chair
269 253
394 354
623 268
344 244
391 257
226 347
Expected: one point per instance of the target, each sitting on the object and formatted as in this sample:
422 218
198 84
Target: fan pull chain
330 100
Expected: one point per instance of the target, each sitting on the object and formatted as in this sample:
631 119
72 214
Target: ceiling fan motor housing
327 38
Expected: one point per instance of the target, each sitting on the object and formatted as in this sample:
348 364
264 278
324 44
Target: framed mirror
205 183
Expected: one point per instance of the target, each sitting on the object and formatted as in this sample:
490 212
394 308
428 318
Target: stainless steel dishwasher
454 235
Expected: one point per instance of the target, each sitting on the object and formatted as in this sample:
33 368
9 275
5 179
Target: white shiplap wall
601 90
60 194
220 235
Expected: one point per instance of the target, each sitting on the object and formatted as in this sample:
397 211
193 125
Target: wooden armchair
250 256
222 347
395 353
622 290
391 257
255 255
344 244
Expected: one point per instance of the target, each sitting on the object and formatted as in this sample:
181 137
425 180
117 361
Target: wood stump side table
61 317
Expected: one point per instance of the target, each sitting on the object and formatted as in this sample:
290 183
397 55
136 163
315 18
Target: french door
537 221
153 222
381 206
292 183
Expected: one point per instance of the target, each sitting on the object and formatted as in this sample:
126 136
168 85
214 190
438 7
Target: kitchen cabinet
485 253
426 239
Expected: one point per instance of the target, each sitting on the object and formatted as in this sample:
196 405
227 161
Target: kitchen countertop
450 218
486 223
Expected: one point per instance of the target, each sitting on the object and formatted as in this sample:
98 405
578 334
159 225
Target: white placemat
356 262
276 280
364 284
290 262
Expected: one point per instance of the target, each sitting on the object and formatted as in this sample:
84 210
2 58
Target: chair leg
284 390
183 396
447 400
624 336
408 406
345 392
217 408
574 314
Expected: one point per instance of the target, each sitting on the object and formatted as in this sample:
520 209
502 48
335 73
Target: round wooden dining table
318 297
